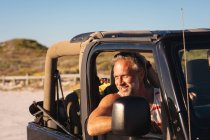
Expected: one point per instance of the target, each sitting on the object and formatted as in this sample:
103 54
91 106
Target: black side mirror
131 116
34 110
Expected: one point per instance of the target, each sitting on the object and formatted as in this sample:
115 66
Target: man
130 79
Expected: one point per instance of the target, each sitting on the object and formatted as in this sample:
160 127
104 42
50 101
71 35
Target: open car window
68 94
104 71
198 81
68 68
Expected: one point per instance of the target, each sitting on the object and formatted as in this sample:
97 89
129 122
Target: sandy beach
14 114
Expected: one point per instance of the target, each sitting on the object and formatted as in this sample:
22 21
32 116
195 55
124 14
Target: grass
21 56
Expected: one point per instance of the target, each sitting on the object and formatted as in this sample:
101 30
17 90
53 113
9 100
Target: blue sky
50 21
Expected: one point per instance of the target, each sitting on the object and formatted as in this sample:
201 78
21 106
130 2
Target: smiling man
130 78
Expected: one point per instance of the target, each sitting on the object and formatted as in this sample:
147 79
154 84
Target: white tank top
156 108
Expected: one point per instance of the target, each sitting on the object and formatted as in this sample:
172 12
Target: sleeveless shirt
156 108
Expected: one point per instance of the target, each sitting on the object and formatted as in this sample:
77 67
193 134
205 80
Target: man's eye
125 76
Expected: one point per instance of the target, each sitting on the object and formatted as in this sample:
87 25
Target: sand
14 114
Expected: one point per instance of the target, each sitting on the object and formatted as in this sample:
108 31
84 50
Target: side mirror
131 116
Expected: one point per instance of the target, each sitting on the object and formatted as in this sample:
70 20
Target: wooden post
3 80
27 80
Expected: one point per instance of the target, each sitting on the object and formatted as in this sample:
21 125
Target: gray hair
138 60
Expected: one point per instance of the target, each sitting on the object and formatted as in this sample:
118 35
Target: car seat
73 113
199 84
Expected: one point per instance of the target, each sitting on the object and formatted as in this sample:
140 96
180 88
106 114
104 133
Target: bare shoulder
109 100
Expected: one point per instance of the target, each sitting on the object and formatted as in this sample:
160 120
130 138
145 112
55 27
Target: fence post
27 80
75 80
3 80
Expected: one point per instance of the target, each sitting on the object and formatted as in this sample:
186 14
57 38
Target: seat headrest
198 72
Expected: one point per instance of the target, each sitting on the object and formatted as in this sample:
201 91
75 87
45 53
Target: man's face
126 79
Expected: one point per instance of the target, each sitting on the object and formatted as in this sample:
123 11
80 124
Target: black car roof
154 35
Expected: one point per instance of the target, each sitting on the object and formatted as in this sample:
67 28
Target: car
179 58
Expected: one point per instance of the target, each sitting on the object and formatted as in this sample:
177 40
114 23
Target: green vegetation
68 64
21 56
197 54
104 63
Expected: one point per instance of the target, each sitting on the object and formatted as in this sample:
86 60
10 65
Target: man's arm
100 120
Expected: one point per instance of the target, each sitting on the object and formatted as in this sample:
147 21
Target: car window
68 94
198 80
107 85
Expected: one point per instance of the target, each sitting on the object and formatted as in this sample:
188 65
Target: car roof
152 35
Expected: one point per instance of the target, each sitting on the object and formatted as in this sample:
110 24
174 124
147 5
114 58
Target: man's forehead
123 66
123 63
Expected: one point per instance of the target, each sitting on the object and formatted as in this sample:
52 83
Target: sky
50 21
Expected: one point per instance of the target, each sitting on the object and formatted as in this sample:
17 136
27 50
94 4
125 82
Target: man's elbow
90 130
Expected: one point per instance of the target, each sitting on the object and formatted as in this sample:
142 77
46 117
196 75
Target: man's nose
121 81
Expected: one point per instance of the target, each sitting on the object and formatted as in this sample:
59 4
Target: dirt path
14 114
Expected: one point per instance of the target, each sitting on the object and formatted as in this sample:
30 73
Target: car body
184 104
